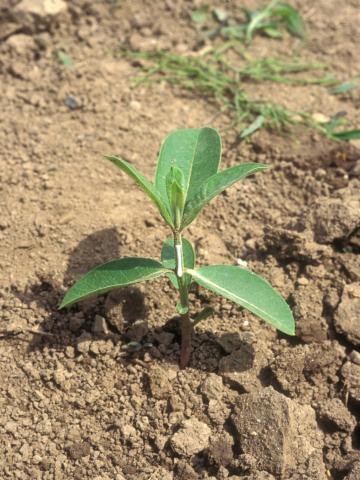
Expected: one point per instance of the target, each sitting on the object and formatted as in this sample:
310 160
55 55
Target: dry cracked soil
76 402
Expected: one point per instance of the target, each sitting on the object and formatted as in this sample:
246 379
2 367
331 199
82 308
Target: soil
79 399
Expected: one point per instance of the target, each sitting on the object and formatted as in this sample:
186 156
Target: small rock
100 326
256 476
71 102
70 351
280 433
221 449
60 378
213 387
40 8
320 118
79 450
192 437
334 219
218 411
10 427
347 316
138 330
21 44
83 342
335 412
351 375
101 347
311 326
354 356
160 382
233 340
243 366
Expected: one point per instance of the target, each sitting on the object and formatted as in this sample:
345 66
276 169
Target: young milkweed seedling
186 179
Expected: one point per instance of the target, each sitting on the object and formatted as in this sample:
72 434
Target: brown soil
253 404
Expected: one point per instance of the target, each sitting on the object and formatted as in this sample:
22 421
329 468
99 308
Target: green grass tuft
213 76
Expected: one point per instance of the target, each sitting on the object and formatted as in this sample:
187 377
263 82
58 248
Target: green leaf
145 185
272 31
248 290
168 259
175 188
344 87
199 16
291 19
255 20
196 152
203 315
336 121
255 125
111 275
217 184
65 59
346 135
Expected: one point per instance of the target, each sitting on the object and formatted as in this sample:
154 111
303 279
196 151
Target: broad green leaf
248 290
145 185
217 184
168 259
255 125
346 135
111 275
196 152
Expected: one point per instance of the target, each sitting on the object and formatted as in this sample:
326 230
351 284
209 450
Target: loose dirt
77 401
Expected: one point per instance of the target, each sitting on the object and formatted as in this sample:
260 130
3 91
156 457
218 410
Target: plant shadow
126 314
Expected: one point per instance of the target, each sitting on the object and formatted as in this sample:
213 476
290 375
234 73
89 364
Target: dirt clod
243 367
280 433
311 326
335 412
160 381
192 437
347 316
335 219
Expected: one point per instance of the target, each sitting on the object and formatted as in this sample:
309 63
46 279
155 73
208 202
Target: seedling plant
186 179
268 20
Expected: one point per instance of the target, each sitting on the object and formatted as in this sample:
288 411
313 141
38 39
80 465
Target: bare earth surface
253 404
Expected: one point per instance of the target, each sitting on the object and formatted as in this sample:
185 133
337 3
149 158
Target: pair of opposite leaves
186 179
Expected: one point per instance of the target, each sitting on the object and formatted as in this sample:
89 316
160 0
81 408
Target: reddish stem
186 334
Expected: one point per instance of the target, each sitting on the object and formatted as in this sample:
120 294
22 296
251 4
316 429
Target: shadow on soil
62 328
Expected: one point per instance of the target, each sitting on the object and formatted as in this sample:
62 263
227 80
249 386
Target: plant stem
186 334
186 323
